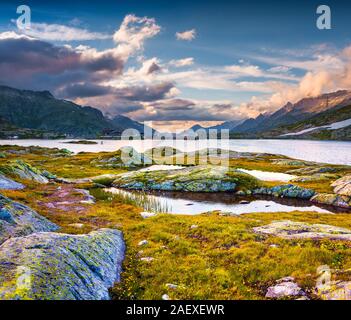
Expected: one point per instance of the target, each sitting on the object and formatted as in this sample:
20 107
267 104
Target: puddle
269 176
197 203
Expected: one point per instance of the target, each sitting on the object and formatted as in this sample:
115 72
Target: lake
333 152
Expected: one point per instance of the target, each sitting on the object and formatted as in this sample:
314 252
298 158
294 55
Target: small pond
197 203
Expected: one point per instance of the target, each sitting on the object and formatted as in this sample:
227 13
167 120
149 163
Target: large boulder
343 186
299 230
52 266
19 220
8 184
189 179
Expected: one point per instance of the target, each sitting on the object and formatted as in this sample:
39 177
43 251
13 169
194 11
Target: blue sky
230 60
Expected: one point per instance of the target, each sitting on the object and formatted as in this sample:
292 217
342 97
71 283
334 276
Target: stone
298 230
171 286
25 171
194 226
143 243
165 297
286 191
76 225
285 287
52 266
147 215
8 184
332 199
343 186
18 220
147 259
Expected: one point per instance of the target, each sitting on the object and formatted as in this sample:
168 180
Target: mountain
33 110
228 125
291 114
123 122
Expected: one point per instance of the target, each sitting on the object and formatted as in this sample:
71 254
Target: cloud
57 32
182 62
188 35
133 32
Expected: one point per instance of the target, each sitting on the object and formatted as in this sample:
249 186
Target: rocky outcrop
52 266
25 171
332 199
8 184
18 220
335 290
343 186
286 191
298 230
125 157
189 179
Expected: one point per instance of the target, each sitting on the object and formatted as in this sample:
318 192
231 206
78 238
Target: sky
177 63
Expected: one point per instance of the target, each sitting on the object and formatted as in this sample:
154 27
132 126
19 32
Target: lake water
196 203
333 152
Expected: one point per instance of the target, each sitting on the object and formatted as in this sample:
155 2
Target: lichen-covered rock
8 184
189 179
343 186
332 199
52 266
19 220
125 157
287 191
335 290
285 287
298 230
25 171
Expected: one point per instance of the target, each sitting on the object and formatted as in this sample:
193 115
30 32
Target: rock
146 215
188 179
240 193
143 243
25 171
171 286
298 230
194 226
18 220
286 191
147 259
61 267
286 279
343 186
165 297
285 287
244 202
8 184
336 290
332 199
126 157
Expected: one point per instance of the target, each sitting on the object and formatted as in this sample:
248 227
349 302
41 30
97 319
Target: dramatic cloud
188 35
57 32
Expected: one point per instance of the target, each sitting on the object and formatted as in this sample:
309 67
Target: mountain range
27 113
311 112
31 114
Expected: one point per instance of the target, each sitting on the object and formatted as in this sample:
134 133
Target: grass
220 259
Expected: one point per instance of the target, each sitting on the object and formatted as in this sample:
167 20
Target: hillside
41 111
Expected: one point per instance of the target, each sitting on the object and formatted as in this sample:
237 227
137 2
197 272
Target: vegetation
209 256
